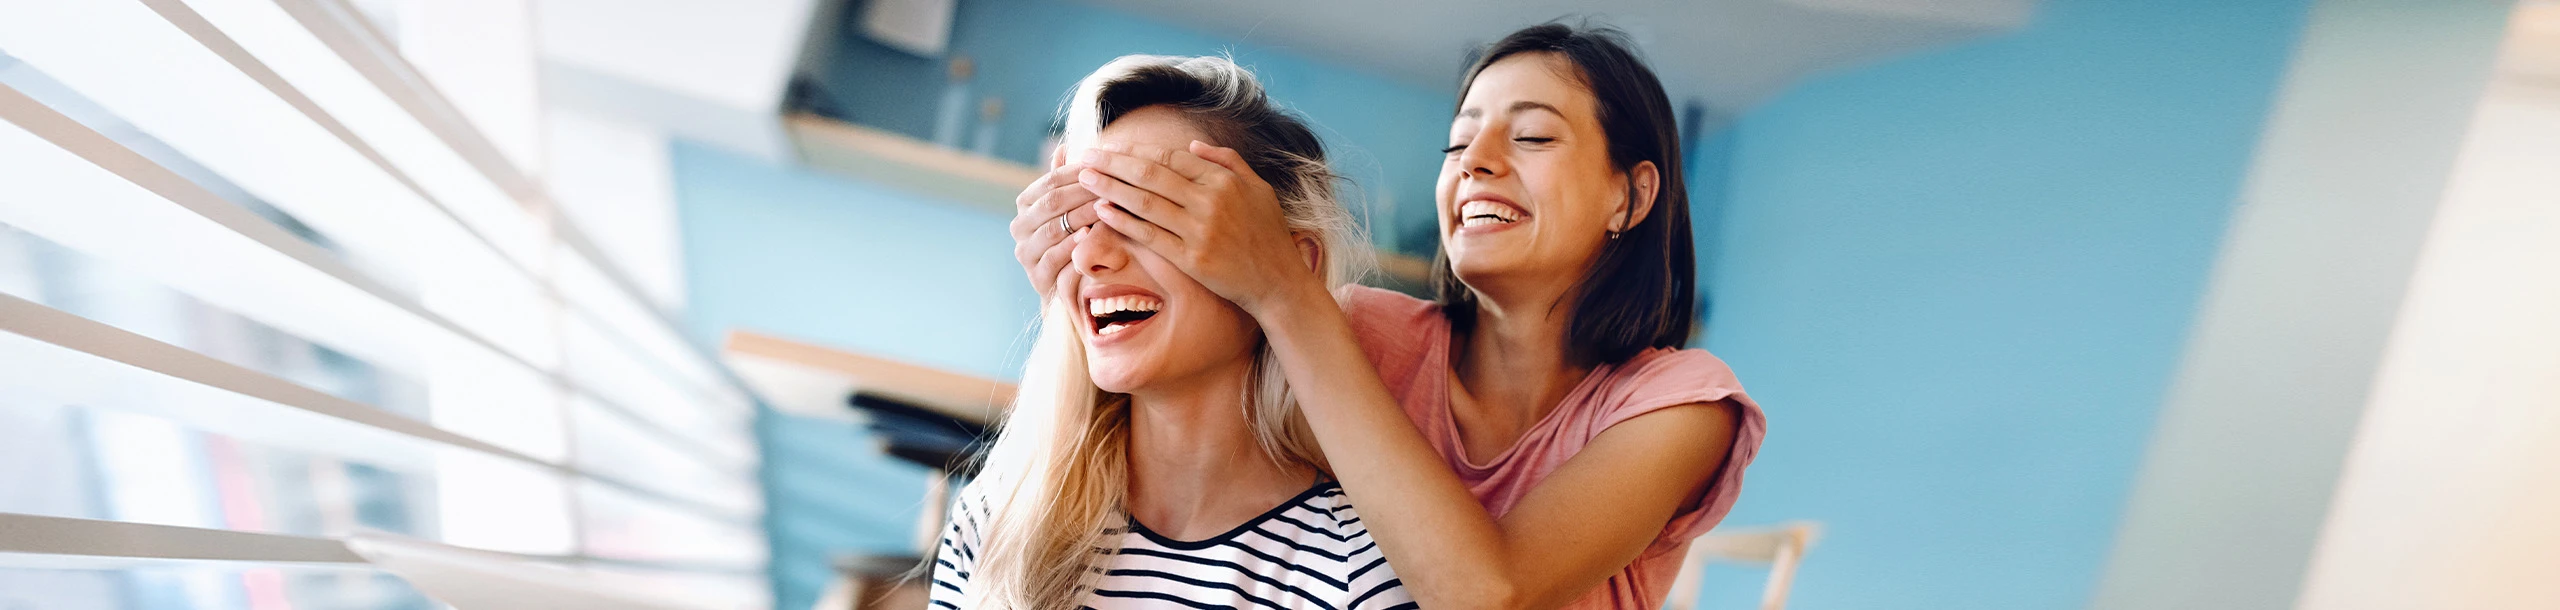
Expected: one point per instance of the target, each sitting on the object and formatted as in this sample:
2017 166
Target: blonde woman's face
1147 323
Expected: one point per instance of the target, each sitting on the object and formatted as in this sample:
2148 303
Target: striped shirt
1310 552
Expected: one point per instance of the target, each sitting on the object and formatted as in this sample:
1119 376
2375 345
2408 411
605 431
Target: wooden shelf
814 380
908 164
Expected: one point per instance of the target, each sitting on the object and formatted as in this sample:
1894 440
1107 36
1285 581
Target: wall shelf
909 164
808 379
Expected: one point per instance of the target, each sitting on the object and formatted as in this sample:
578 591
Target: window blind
264 284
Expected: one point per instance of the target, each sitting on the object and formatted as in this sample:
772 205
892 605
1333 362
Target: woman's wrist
1289 304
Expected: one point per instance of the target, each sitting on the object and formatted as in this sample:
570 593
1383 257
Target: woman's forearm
1448 551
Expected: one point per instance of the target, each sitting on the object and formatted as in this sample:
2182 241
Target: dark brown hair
1642 292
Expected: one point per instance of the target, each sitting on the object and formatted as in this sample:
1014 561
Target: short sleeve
1395 330
957 556
1665 378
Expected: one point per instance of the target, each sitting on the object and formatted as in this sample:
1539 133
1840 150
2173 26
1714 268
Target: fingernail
1088 177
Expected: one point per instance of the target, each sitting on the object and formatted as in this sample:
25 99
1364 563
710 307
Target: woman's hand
1039 241
1206 211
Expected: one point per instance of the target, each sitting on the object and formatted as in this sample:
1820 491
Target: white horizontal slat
584 284
499 505
609 445
211 249
615 181
153 223
91 538
306 65
329 24
112 464
65 359
710 589
435 259
72 360
638 317
596 362
618 525
219 253
137 66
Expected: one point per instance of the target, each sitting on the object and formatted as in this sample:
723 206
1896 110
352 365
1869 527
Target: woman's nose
1098 250
1486 157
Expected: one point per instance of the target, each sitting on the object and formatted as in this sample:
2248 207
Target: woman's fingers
1227 159
1062 283
1177 175
1189 166
1152 236
1026 219
1065 200
1058 176
1147 205
1050 263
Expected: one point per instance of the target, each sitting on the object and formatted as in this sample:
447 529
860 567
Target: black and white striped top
1310 552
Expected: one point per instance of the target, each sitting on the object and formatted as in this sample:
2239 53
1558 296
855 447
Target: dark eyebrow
1525 105
1516 108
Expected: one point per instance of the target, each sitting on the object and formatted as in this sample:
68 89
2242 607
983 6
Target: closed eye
1534 140
1453 148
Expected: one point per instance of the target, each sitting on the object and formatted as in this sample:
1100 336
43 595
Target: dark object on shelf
922 436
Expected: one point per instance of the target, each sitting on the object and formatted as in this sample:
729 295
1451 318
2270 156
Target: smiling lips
1115 314
1487 212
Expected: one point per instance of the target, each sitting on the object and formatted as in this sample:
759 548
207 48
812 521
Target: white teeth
1475 213
1112 305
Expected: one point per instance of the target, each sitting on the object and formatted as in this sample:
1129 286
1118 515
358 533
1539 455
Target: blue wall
813 257
1961 280
1381 133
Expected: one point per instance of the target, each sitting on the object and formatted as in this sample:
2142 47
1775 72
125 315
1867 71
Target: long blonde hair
1056 476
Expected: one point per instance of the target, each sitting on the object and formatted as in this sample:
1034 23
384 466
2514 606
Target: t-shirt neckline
1444 357
1320 488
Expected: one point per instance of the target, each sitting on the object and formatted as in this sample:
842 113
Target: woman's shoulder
1678 363
1394 329
1382 305
1662 377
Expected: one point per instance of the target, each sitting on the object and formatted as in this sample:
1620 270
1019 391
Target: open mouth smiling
1487 210
1112 315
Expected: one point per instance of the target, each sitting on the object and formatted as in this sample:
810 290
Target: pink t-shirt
1408 340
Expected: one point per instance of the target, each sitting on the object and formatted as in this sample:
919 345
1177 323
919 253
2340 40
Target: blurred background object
2053 303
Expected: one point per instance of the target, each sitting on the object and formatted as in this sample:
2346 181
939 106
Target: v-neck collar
1444 357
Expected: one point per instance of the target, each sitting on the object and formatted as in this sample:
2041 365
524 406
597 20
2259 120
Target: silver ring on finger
1062 226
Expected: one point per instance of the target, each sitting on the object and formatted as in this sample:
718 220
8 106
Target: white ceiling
1729 53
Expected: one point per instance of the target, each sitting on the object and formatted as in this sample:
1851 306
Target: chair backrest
1779 546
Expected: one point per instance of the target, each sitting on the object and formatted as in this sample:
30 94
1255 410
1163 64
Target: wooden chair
1780 547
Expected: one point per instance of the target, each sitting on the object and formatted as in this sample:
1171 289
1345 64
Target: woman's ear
1646 178
1312 249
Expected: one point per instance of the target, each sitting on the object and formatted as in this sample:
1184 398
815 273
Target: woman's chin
1117 380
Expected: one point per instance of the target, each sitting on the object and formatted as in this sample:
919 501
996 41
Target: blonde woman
1155 457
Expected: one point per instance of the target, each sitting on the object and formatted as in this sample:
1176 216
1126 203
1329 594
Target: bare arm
1584 522
1204 210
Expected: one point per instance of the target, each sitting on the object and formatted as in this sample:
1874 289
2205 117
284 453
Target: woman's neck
1195 469
1513 366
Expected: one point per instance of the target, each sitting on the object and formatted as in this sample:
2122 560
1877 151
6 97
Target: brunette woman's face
1527 195
1147 323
